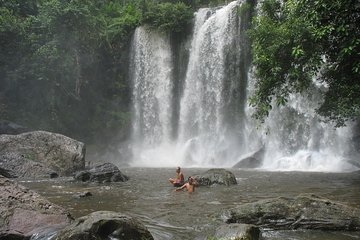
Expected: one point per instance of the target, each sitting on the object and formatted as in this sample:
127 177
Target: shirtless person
179 179
189 186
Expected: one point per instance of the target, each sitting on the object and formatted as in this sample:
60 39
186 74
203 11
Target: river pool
179 215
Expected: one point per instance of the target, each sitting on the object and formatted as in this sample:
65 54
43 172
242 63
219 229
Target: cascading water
301 142
150 71
213 122
204 131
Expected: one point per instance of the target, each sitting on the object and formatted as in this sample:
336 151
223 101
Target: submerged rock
106 172
105 225
40 154
237 231
24 212
216 176
82 195
302 212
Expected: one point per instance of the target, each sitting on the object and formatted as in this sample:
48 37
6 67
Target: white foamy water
213 123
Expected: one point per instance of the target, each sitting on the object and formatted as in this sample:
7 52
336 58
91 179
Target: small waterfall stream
213 124
301 142
151 74
203 127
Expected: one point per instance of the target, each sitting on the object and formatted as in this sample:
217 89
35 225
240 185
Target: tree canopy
63 63
296 41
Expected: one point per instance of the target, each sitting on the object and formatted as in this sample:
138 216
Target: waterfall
151 76
203 129
210 115
302 142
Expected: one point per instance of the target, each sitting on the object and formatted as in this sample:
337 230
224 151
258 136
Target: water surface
180 215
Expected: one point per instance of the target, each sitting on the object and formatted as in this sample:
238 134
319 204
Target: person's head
178 169
190 180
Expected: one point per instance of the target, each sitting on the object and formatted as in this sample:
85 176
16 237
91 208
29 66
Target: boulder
216 176
82 194
8 173
105 225
14 165
40 153
24 213
7 127
237 231
302 212
252 160
106 172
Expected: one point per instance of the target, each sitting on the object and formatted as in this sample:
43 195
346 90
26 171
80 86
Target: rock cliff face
39 154
24 212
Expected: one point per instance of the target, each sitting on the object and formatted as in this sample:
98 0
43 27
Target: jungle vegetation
295 42
63 62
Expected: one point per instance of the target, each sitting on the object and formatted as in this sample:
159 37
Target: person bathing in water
179 179
189 186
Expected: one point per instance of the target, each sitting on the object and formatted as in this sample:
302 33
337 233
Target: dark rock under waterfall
253 160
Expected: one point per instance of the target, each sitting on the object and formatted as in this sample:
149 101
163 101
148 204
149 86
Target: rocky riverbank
24 212
43 155
39 155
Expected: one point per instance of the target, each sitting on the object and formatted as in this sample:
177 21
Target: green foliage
244 8
63 63
51 68
293 41
119 21
168 17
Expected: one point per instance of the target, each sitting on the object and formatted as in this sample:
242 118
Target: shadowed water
180 215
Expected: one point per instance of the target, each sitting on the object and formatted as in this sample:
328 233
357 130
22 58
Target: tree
296 40
63 64
168 17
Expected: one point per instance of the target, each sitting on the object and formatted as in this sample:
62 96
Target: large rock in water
106 172
252 160
237 231
302 212
105 225
24 212
216 176
39 154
